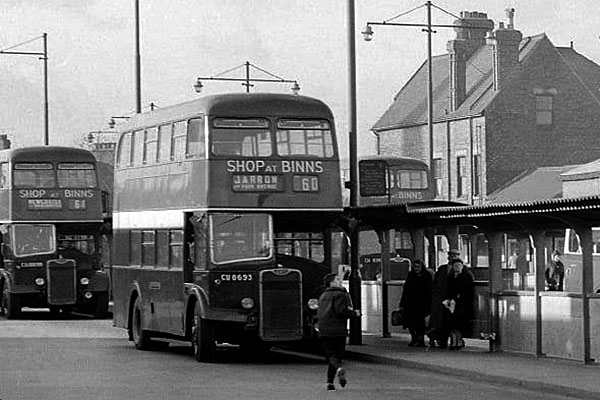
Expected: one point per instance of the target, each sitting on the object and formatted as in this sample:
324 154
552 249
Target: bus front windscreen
30 240
240 237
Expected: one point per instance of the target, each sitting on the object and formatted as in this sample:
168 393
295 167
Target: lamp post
354 282
44 56
198 86
138 62
368 36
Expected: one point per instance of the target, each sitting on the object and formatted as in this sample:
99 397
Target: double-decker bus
221 222
572 260
50 231
387 180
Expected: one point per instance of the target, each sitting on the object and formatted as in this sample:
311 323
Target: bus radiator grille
281 305
62 282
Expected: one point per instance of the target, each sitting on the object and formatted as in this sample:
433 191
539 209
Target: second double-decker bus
393 180
50 231
222 215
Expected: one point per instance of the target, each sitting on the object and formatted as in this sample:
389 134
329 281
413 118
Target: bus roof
234 104
47 154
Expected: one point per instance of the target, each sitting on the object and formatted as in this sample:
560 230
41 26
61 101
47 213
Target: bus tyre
100 305
141 337
203 337
10 304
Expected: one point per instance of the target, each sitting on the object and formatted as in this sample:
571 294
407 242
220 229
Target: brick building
503 104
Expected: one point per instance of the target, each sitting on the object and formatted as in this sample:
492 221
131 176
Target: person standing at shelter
555 272
461 289
416 302
335 308
440 315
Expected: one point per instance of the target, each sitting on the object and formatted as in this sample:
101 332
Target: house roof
586 71
410 103
534 185
582 172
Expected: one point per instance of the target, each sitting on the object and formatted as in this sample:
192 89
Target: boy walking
335 307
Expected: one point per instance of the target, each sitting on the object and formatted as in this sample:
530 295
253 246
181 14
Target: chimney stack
505 43
4 142
471 30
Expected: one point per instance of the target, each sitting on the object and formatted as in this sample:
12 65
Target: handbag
397 317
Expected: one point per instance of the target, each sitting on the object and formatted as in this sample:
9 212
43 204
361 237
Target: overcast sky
91 47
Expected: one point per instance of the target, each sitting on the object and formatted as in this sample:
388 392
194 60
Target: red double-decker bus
50 231
223 209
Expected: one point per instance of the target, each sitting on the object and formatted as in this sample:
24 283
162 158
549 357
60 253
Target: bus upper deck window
241 137
34 175
195 137
304 138
76 175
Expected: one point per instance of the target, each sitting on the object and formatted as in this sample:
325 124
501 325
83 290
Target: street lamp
43 56
368 36
198 86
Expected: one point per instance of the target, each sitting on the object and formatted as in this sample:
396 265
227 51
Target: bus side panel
573 272
132 186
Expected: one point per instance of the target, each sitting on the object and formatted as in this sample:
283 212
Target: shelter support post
418 239
431 251
539 243
384 241
587 287
452 236
474 239
355 285
495 244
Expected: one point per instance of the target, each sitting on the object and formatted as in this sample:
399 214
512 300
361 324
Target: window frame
544 110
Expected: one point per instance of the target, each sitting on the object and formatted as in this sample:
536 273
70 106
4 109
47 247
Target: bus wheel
100 305
10 304
141 337
203 338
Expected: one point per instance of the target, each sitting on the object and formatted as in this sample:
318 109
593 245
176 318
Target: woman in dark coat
416 302
461 290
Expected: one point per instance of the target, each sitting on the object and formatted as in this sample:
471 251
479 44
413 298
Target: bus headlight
39 281
87 295
247 303
313 304
84 281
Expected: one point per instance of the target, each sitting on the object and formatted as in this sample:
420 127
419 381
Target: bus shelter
563 324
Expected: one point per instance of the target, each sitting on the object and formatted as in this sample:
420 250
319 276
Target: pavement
542 374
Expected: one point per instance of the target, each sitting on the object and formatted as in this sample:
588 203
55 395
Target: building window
461 175
544 105
476 175
438 176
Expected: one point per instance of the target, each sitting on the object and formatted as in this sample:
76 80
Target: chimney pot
510 15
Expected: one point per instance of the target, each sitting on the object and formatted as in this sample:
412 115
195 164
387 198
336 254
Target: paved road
80 358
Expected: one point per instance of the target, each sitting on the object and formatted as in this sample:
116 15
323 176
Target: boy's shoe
330 386
341 374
